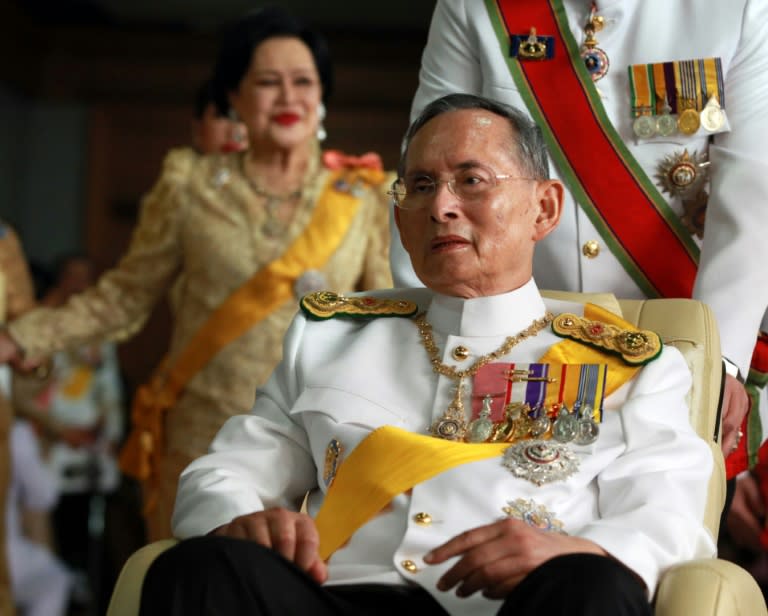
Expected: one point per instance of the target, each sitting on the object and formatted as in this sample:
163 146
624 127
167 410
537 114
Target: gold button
460 353
591 249
423 519
409 566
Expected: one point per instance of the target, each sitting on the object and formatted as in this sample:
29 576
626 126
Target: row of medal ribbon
519 401
683 97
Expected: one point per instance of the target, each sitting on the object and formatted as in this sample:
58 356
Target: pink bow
336 159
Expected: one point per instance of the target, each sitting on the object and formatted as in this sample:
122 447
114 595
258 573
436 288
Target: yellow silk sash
264 292
390 461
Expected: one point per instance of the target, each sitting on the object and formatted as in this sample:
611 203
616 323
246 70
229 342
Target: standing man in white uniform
448 470
689 122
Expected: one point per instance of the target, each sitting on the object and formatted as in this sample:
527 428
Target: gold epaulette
321 305
635 346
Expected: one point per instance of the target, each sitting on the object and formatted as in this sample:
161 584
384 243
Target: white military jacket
463 55
639 492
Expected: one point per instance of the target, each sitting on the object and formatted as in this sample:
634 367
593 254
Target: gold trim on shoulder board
635 346
327 304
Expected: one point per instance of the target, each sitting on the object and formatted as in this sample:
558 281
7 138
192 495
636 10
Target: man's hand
495 558
735 407
292 535
747 514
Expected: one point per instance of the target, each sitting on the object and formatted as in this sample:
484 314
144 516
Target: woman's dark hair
241 37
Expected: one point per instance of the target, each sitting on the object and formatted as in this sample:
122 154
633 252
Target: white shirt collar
494 315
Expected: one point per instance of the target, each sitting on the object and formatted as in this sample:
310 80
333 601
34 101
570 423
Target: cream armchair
706 587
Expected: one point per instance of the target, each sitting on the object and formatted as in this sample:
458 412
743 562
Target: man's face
483 247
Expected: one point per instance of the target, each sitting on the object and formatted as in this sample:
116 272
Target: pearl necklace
453 424
273 226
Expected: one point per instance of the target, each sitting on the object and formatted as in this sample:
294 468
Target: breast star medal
534 515
540 461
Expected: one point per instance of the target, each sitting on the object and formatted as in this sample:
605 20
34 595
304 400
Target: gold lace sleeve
19 292
119 303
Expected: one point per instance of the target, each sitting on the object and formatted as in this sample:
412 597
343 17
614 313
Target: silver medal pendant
540 461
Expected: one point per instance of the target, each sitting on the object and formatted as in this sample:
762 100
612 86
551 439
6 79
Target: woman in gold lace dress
238 236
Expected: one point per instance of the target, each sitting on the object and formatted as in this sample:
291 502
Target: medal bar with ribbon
643 101
683 97
513 402
713 118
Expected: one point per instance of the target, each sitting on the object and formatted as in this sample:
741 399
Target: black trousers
219 576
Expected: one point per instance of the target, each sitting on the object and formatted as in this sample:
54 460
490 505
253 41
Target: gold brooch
533 514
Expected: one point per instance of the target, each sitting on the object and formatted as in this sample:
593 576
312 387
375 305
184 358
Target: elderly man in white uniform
717 163
453 463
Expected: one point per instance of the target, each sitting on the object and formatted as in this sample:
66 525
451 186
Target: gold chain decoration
453 424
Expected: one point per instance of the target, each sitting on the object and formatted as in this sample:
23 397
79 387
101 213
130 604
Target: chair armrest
709 587
126 596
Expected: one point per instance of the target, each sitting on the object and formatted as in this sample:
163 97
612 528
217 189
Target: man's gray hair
530 149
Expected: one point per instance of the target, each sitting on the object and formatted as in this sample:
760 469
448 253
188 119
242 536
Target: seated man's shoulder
609 334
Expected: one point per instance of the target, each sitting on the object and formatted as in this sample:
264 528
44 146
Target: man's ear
549 195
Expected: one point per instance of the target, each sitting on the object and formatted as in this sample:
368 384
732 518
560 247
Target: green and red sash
608 183
595 164
752 449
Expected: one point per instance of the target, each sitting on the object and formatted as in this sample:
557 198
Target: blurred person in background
240 236
80 414
40 581
16 297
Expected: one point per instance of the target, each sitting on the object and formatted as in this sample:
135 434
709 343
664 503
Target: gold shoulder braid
636 347
322 305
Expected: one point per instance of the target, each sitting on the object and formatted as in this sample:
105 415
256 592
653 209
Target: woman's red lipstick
287 119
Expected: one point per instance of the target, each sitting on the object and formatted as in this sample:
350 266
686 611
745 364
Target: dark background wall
93 93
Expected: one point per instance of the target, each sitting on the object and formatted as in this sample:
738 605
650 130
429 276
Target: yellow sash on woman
264 292
368 479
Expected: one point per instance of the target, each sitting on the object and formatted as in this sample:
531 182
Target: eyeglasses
469 185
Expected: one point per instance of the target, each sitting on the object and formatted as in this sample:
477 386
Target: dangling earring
237 132
321 132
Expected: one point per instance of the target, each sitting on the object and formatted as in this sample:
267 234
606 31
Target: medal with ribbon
677 97
513 402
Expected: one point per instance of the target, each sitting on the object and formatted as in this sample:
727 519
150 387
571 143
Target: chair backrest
688 325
